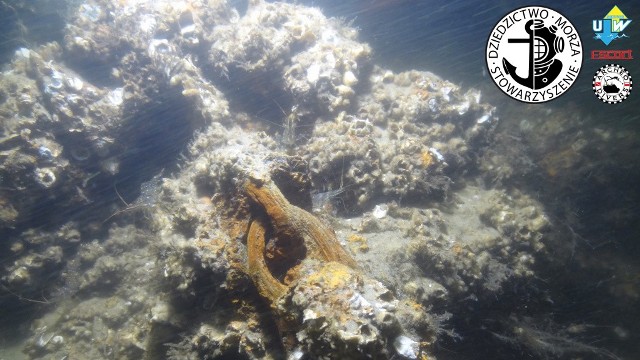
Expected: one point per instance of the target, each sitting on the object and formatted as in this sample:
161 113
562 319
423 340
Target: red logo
611 55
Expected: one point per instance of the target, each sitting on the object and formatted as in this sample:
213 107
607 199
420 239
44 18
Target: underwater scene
366 179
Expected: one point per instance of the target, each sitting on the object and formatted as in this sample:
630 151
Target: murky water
264 180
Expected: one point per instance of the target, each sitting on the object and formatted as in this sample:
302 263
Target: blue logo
611 26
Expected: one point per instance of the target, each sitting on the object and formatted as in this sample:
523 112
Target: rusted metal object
282 238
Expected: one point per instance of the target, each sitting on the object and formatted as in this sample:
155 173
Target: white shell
436 153
349 79
483 118
406 347
148 23
380 211
188 29
116 96
57 339
23 52
75 83
313 73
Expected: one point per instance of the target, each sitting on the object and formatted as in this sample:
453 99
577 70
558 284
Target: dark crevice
156 135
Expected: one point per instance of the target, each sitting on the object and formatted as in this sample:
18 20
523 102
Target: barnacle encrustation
45 177
54 82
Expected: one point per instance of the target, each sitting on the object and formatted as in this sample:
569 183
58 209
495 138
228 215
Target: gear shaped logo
612 84
534 54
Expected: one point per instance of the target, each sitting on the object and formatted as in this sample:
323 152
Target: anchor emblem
544 45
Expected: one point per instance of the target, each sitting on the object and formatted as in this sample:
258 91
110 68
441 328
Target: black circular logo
534 54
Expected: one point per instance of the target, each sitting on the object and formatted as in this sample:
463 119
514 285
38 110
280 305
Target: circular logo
612 83
534 54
